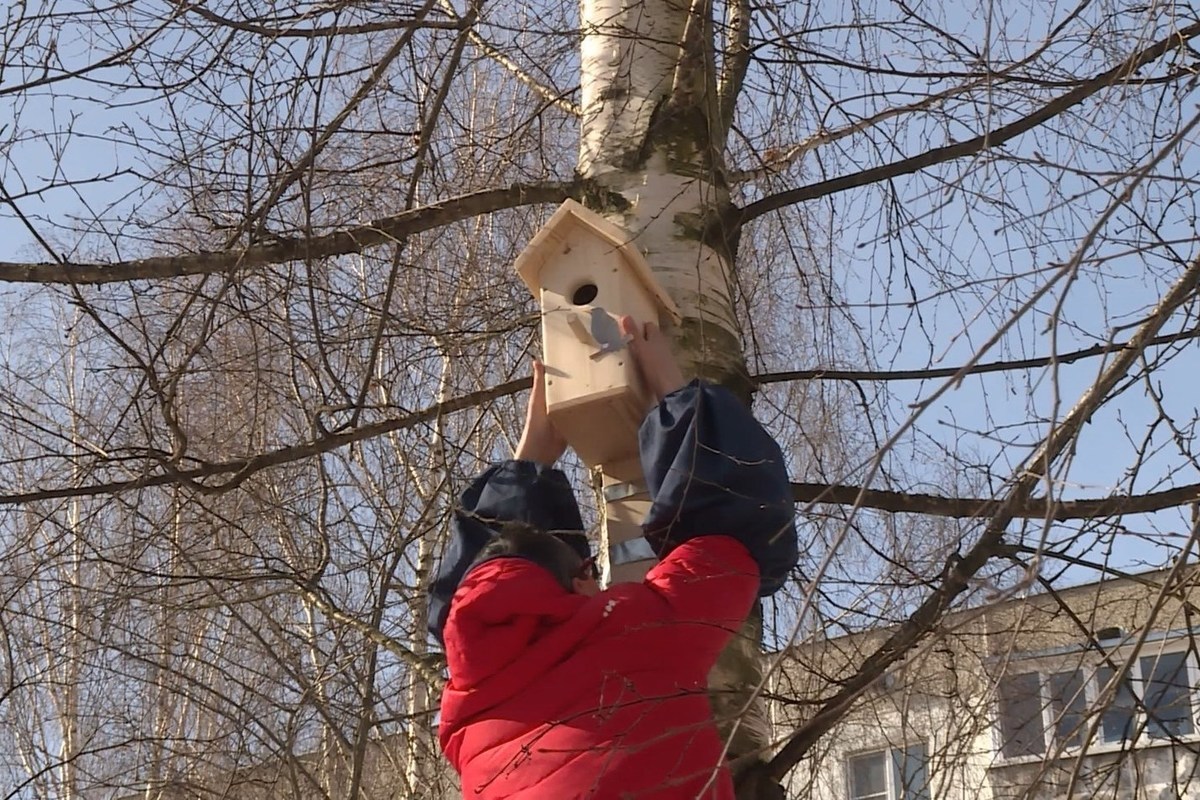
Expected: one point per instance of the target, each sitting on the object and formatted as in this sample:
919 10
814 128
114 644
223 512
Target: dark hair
522 540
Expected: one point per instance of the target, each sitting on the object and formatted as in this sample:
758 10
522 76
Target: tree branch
552 97
256 217
820 493
119 57
981 507
986 141
421 162
427 667
839 494
319 32
351 240
735 62
775 161
947 372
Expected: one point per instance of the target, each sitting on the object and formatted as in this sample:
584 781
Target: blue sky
987 417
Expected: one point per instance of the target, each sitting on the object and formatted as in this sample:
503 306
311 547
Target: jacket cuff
712 469
522 491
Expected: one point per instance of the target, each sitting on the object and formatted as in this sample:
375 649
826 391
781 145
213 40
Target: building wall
946 696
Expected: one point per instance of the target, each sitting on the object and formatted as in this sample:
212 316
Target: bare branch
980 507
840 494
552 97
255 218
353 240
243 468
118 57
735 62
975 369
426 667
987 141
816 493
322 31
775 162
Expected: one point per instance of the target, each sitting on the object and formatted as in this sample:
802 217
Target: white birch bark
651 144
644 139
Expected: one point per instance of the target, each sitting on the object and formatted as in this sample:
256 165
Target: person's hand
652 354
540 442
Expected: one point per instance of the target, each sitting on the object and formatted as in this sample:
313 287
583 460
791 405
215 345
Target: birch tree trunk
655 118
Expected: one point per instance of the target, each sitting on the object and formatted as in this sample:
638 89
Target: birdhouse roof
571 214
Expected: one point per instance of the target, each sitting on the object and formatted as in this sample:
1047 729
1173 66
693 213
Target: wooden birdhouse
586 273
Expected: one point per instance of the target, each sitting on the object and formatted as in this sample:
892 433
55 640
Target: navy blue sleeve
712 469
511 491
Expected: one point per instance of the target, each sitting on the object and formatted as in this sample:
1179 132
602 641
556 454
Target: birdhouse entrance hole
584 294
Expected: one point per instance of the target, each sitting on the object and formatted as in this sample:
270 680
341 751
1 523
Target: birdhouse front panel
586 273
593 392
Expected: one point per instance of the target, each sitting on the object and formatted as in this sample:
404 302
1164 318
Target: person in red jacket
559 690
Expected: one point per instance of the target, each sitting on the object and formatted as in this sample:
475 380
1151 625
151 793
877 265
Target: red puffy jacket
557 696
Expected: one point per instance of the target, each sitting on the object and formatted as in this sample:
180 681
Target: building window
899 773
1167 693
1021 715
1116 722
1044 712
1068 707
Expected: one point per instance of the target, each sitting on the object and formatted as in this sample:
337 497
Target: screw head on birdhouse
585 273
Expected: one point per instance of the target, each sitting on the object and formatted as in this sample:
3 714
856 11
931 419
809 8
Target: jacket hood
501 609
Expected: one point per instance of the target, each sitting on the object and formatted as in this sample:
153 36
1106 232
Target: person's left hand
540 441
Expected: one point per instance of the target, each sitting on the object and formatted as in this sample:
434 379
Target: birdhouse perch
586 273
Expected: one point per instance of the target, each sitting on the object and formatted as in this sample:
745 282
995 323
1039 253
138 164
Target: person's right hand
540 441
652 354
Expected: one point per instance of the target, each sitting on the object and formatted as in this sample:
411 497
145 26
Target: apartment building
1088 692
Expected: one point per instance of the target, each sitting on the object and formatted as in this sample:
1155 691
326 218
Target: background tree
263 323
